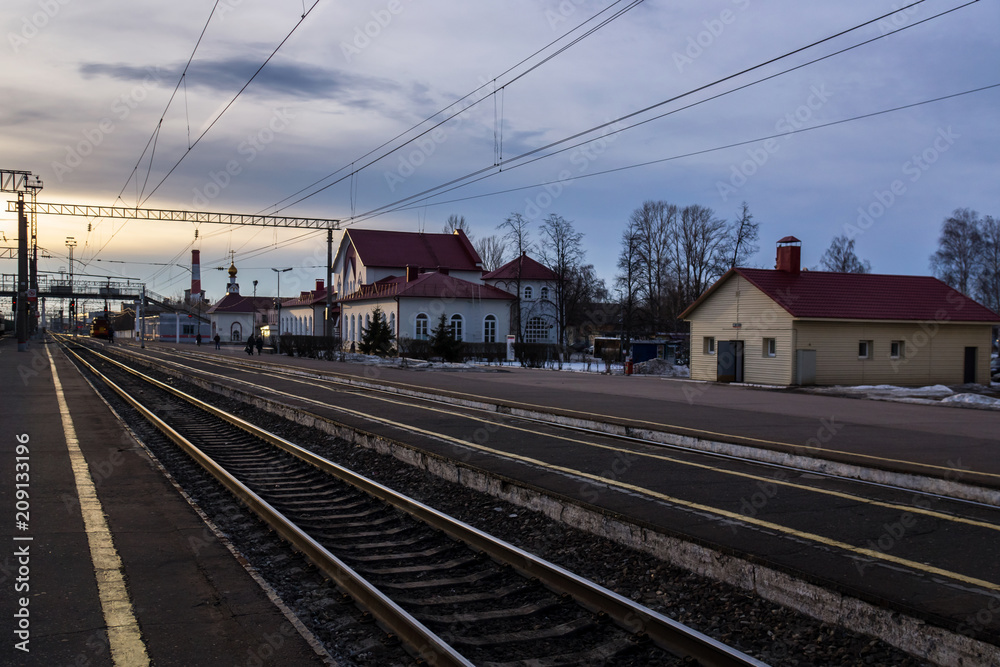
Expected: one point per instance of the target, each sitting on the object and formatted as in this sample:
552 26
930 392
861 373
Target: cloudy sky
87 82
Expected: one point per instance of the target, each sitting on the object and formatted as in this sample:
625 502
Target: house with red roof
535 308
235 317
789 326
414 278
366 256
414 302
303 315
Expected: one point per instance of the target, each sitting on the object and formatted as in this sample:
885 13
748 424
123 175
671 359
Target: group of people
252 342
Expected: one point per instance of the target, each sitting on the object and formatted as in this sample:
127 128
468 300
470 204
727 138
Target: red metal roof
391 249
530 270
307 299
433 285
235 303
860 296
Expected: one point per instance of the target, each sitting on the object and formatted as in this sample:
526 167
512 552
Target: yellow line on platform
124 636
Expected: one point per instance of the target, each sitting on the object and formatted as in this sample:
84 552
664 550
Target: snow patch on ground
934 392
974 399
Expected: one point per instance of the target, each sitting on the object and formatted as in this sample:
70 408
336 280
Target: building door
970 366
729 361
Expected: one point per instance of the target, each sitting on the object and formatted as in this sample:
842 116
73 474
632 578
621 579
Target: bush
312 347
535 355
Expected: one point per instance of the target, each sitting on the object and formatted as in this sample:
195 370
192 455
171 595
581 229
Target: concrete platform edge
936 644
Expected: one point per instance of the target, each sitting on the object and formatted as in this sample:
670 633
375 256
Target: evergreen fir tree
377 337
443 343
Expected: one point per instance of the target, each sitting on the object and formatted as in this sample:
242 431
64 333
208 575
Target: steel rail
395 619
662 630
492 409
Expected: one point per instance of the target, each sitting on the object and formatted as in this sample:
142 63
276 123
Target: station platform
959 444
63 601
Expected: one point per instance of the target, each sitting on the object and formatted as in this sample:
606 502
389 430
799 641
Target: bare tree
988 279
701 235
627 282
652 224
562 252
840 257
741 242
959 249
517 236
456 222
491 250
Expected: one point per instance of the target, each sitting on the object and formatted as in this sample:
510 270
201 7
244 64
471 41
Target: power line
562 49
232 101
692 153
511 163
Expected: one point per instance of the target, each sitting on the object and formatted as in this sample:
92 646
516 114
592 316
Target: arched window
236 332
368 325
309 325
353 337
527 293
536 330
543 294
420 329
456 326
490 329
392 323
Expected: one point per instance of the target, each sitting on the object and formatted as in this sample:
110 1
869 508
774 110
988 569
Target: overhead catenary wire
482 174
424 204
229 104
606 21
510 163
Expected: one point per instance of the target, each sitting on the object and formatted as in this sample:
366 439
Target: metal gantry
136 213
21 182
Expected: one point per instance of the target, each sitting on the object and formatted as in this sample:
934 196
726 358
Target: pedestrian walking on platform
249 347
260 344
197 339
218 342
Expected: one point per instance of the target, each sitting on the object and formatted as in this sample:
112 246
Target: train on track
100 328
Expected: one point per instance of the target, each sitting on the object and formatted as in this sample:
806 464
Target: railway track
453 594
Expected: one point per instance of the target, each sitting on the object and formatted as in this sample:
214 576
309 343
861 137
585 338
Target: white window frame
708 345
421 332
897 349
490 328
457 325
536 330
770 347
528 292
865 349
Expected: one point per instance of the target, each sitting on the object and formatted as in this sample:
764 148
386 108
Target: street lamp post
71 243
278 302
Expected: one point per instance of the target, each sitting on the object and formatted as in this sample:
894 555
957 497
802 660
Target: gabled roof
235 303
307 299
859 296
380 248
530 270
427 285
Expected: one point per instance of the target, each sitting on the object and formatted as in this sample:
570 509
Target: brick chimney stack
196 275
789 255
